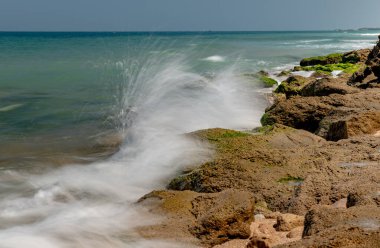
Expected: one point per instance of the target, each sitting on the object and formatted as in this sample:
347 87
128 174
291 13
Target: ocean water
90 122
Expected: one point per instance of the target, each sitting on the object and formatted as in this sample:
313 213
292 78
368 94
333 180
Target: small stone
259 217
287 222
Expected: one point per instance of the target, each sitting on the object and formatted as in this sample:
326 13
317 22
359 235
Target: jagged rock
331 227
309 113
292 85
342 125
223 217
327 86
211 218
287 222
276 167
322 60
370 75
356 56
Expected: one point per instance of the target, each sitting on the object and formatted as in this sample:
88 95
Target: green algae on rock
333 58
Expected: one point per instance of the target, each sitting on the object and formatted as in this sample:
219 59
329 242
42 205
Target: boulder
287 222
356 56
292 85
331 227
211 218
322 60
332 117
326 87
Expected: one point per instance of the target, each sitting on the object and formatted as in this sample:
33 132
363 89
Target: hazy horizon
187 16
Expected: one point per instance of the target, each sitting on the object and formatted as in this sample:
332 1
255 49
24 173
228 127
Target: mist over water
160 100
161 89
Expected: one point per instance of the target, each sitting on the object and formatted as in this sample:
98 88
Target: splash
215 58
159 100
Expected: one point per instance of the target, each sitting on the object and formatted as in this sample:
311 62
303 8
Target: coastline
309 176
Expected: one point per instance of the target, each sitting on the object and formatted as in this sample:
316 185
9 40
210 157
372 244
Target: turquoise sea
89 122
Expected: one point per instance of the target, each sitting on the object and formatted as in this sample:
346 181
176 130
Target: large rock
326 87
357 56
331 227
292 85
325 114
322 60
369 75
276 167
211 218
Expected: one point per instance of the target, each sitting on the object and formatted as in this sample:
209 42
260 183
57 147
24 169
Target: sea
92 121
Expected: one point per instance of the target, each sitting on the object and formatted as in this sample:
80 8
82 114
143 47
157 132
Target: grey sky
187 15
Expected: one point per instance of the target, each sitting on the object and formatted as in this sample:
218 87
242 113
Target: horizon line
179 31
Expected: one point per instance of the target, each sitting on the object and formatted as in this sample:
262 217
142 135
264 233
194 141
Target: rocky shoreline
310 177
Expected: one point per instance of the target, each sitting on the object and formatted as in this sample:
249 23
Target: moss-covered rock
333 58
268 82
327 69
292 86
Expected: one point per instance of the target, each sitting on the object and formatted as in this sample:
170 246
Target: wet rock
211 218
322 60
292 85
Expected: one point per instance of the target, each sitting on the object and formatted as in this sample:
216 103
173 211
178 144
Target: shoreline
310 175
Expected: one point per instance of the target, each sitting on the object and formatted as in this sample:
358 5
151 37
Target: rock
369 76
364 196
322 60
257 243
292 85
259 217
326 87
321 218
287 222
223 217
349 124
275 166
356 56
267 81
295 233
325 115
236 243
211 218
342 203
330 227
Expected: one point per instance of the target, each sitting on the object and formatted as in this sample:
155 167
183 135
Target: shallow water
89 122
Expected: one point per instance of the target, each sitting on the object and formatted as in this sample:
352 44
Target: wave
158 101
215 58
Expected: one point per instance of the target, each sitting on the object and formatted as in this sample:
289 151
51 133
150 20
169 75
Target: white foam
215 58
303 73
336 73
91 205
11 107
369 34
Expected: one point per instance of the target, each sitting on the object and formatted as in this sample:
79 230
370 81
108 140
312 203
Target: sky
187 15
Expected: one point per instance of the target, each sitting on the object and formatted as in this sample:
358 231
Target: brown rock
224 217
326 115
295 233
356 56
327 86
211 218
330 227
287 222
